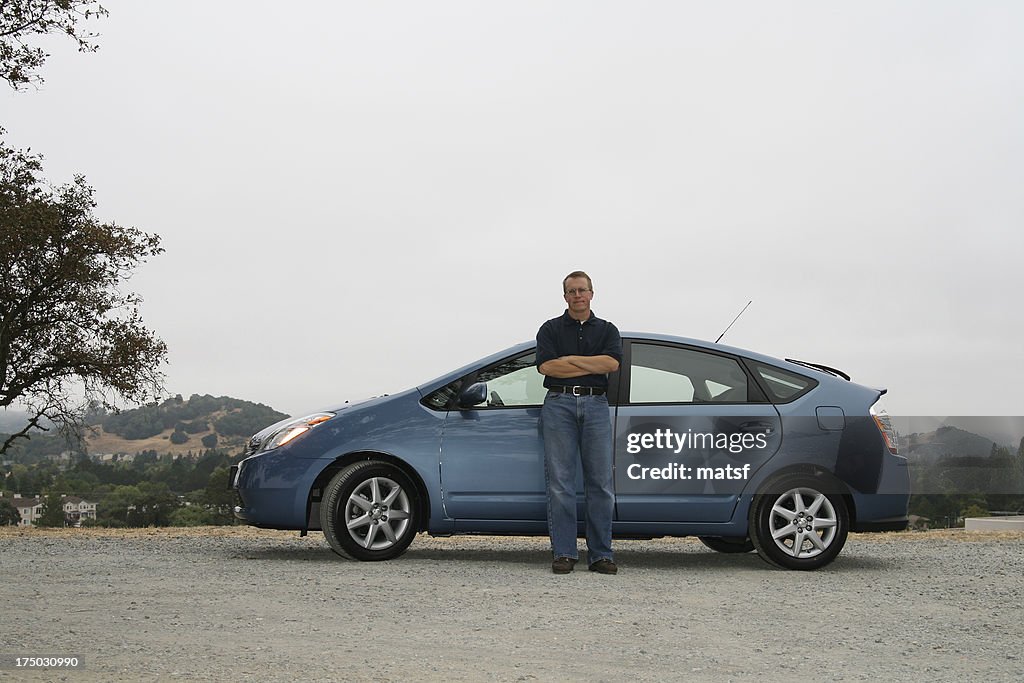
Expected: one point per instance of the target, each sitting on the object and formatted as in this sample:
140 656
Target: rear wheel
799 522
369 511
727 544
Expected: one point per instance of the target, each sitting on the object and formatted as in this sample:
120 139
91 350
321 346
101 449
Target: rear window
783 386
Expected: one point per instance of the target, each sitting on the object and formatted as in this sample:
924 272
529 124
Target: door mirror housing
472 395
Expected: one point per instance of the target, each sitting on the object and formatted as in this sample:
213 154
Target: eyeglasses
572 292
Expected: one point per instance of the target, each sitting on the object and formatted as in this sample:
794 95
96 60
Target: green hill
176 426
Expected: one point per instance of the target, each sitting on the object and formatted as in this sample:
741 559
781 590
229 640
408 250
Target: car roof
637 336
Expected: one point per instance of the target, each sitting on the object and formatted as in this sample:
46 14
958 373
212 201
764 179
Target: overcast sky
357 197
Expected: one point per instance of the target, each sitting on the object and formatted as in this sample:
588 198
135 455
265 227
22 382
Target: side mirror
473 395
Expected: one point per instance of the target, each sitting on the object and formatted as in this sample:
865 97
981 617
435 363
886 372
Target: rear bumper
888 509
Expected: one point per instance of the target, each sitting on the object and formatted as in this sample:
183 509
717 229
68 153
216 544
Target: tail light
884 424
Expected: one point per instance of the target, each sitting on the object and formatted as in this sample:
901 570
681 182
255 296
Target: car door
692 427
492 454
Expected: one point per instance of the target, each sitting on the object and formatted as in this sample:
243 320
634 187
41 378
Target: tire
370 511
727 544
799 522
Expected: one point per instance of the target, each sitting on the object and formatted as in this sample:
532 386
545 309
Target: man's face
578 294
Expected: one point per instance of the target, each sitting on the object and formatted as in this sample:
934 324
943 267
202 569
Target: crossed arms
577 366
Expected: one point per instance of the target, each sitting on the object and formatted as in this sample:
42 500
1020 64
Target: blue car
742 450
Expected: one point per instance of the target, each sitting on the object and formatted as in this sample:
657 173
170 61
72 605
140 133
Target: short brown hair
577 273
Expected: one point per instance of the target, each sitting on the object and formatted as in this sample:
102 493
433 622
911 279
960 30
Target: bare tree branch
68 333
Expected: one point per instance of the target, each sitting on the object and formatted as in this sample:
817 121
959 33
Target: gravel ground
246 604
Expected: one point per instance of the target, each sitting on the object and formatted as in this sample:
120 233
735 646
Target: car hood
271 429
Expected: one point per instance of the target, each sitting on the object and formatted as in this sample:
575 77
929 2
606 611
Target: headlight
294 429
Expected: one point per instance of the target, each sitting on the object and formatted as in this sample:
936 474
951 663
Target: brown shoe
563 565
604 566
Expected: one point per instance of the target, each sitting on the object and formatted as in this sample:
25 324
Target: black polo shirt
563 336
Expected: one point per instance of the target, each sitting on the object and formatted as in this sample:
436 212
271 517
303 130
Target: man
575 353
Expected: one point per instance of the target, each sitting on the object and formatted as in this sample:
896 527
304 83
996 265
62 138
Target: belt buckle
575 391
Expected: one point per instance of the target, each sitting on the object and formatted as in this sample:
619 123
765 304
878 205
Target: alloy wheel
803 522
377 513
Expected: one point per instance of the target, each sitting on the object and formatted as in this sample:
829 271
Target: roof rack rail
819 366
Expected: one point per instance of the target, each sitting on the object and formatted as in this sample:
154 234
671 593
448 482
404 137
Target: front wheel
799 522
369 511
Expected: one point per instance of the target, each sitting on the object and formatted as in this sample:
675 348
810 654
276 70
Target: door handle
757 427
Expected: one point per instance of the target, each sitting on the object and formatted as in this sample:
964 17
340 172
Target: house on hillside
75 509
30 509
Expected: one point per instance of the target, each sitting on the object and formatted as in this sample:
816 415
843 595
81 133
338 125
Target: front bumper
273 488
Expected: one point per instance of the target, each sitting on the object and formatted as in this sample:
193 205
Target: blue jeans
578 429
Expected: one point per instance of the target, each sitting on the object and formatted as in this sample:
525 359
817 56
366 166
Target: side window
514 383
668 374
783 385
439 400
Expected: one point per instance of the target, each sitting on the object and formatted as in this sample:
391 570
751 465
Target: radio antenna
733 321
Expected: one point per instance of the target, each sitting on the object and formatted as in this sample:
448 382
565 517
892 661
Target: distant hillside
176 426
945 441
179 426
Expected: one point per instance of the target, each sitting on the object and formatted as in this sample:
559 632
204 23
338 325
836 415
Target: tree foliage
196 427
145 504
247 419
23 20
66 328
53 511
146 490
191 515
9 514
